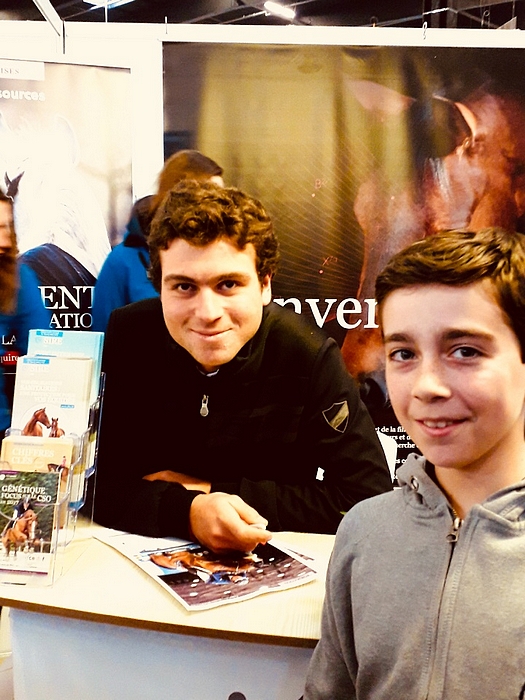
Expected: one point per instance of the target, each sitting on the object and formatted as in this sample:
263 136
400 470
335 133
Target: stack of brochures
73 344
47 453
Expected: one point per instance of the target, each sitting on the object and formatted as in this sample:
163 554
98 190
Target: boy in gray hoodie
425 594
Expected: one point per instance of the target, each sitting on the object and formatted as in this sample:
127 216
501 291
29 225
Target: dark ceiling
487 14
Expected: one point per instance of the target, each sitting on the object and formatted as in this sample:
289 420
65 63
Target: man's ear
266 288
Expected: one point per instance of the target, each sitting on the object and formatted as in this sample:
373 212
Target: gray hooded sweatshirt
420 606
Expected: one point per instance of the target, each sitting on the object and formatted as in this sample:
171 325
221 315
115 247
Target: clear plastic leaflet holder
39 563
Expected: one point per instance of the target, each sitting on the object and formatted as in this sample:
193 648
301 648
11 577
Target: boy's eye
400 355
466 352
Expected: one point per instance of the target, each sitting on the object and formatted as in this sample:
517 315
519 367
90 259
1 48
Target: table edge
157 626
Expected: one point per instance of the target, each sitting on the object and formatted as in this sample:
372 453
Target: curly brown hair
459 258
201 213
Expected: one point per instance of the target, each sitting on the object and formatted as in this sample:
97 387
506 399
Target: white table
106 631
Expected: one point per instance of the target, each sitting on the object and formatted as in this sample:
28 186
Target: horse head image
466 171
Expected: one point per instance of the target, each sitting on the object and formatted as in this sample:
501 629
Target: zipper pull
454 530
204 406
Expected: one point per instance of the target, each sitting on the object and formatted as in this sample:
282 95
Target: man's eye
183 287
400 355
228 284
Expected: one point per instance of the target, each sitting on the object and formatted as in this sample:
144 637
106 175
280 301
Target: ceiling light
110 4
276 9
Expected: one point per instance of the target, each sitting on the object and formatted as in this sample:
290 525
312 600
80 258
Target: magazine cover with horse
200 579
28 520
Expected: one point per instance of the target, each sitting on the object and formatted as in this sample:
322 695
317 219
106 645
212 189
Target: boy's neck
464 487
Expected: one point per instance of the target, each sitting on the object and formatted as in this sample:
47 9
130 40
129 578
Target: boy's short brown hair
459 258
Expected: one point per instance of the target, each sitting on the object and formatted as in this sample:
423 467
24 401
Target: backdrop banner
356 152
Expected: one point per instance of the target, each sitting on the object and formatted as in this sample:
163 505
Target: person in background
247 417
123 278
21 307
424 593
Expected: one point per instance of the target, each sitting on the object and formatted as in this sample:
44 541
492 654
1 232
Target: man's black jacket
286 429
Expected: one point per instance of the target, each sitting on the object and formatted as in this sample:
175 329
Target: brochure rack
38 560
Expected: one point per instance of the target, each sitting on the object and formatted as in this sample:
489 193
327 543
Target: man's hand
189 482
222 522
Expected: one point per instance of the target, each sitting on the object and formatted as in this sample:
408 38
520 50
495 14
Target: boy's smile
456 380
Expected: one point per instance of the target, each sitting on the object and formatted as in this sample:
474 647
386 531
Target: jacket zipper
453 533
204 406
452 537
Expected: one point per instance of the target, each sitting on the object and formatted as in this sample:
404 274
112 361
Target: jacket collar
424 494
418 485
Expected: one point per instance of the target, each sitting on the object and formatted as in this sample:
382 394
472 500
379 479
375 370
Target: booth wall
358 140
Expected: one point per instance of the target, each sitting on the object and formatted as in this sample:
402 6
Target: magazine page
200 579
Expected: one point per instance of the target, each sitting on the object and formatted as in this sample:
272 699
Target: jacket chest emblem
337 416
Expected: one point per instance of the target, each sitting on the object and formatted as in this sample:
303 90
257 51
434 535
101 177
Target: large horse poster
356 152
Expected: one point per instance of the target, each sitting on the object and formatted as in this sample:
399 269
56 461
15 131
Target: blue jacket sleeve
122 280
30 310
110 290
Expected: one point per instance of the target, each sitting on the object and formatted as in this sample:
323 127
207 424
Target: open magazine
200 579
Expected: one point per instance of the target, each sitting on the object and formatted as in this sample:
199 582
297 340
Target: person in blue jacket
123 278
21 307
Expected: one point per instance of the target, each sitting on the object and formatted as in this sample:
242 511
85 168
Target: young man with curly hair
246 418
